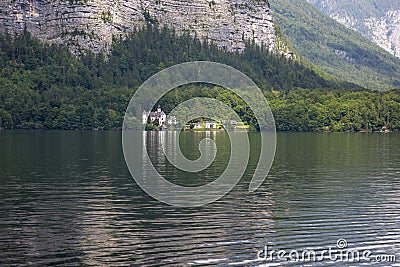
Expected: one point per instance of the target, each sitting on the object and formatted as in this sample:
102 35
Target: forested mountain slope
44 86
378 20
335 48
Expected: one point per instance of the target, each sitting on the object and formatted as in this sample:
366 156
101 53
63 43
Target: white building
159 114
172 120
210 124
197 125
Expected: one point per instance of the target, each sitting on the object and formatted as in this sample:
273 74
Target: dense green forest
45 87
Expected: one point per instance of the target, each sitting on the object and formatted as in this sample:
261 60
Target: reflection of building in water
152 148
158 115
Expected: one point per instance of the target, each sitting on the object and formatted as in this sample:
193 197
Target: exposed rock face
385 31
90 24
378 20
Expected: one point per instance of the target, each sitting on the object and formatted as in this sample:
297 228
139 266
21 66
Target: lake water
67 198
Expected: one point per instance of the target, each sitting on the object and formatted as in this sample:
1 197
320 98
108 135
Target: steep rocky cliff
90 24
378 20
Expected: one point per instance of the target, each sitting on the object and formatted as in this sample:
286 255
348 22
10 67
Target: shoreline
208 130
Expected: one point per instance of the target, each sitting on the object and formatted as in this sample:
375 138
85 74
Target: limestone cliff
90 24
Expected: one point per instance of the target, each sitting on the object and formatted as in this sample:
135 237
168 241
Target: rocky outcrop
91 24
385 31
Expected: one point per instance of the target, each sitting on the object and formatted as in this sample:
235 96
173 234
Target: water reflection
67 199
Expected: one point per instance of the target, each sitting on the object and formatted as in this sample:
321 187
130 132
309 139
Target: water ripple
75 204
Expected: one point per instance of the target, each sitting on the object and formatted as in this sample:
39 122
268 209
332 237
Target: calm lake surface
67 198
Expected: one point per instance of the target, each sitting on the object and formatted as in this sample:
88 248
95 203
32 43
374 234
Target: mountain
334 48
91 24
45 86
378 20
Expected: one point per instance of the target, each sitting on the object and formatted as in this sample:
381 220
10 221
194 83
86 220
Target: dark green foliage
310 110
339 110
149 50
45 87
106 16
